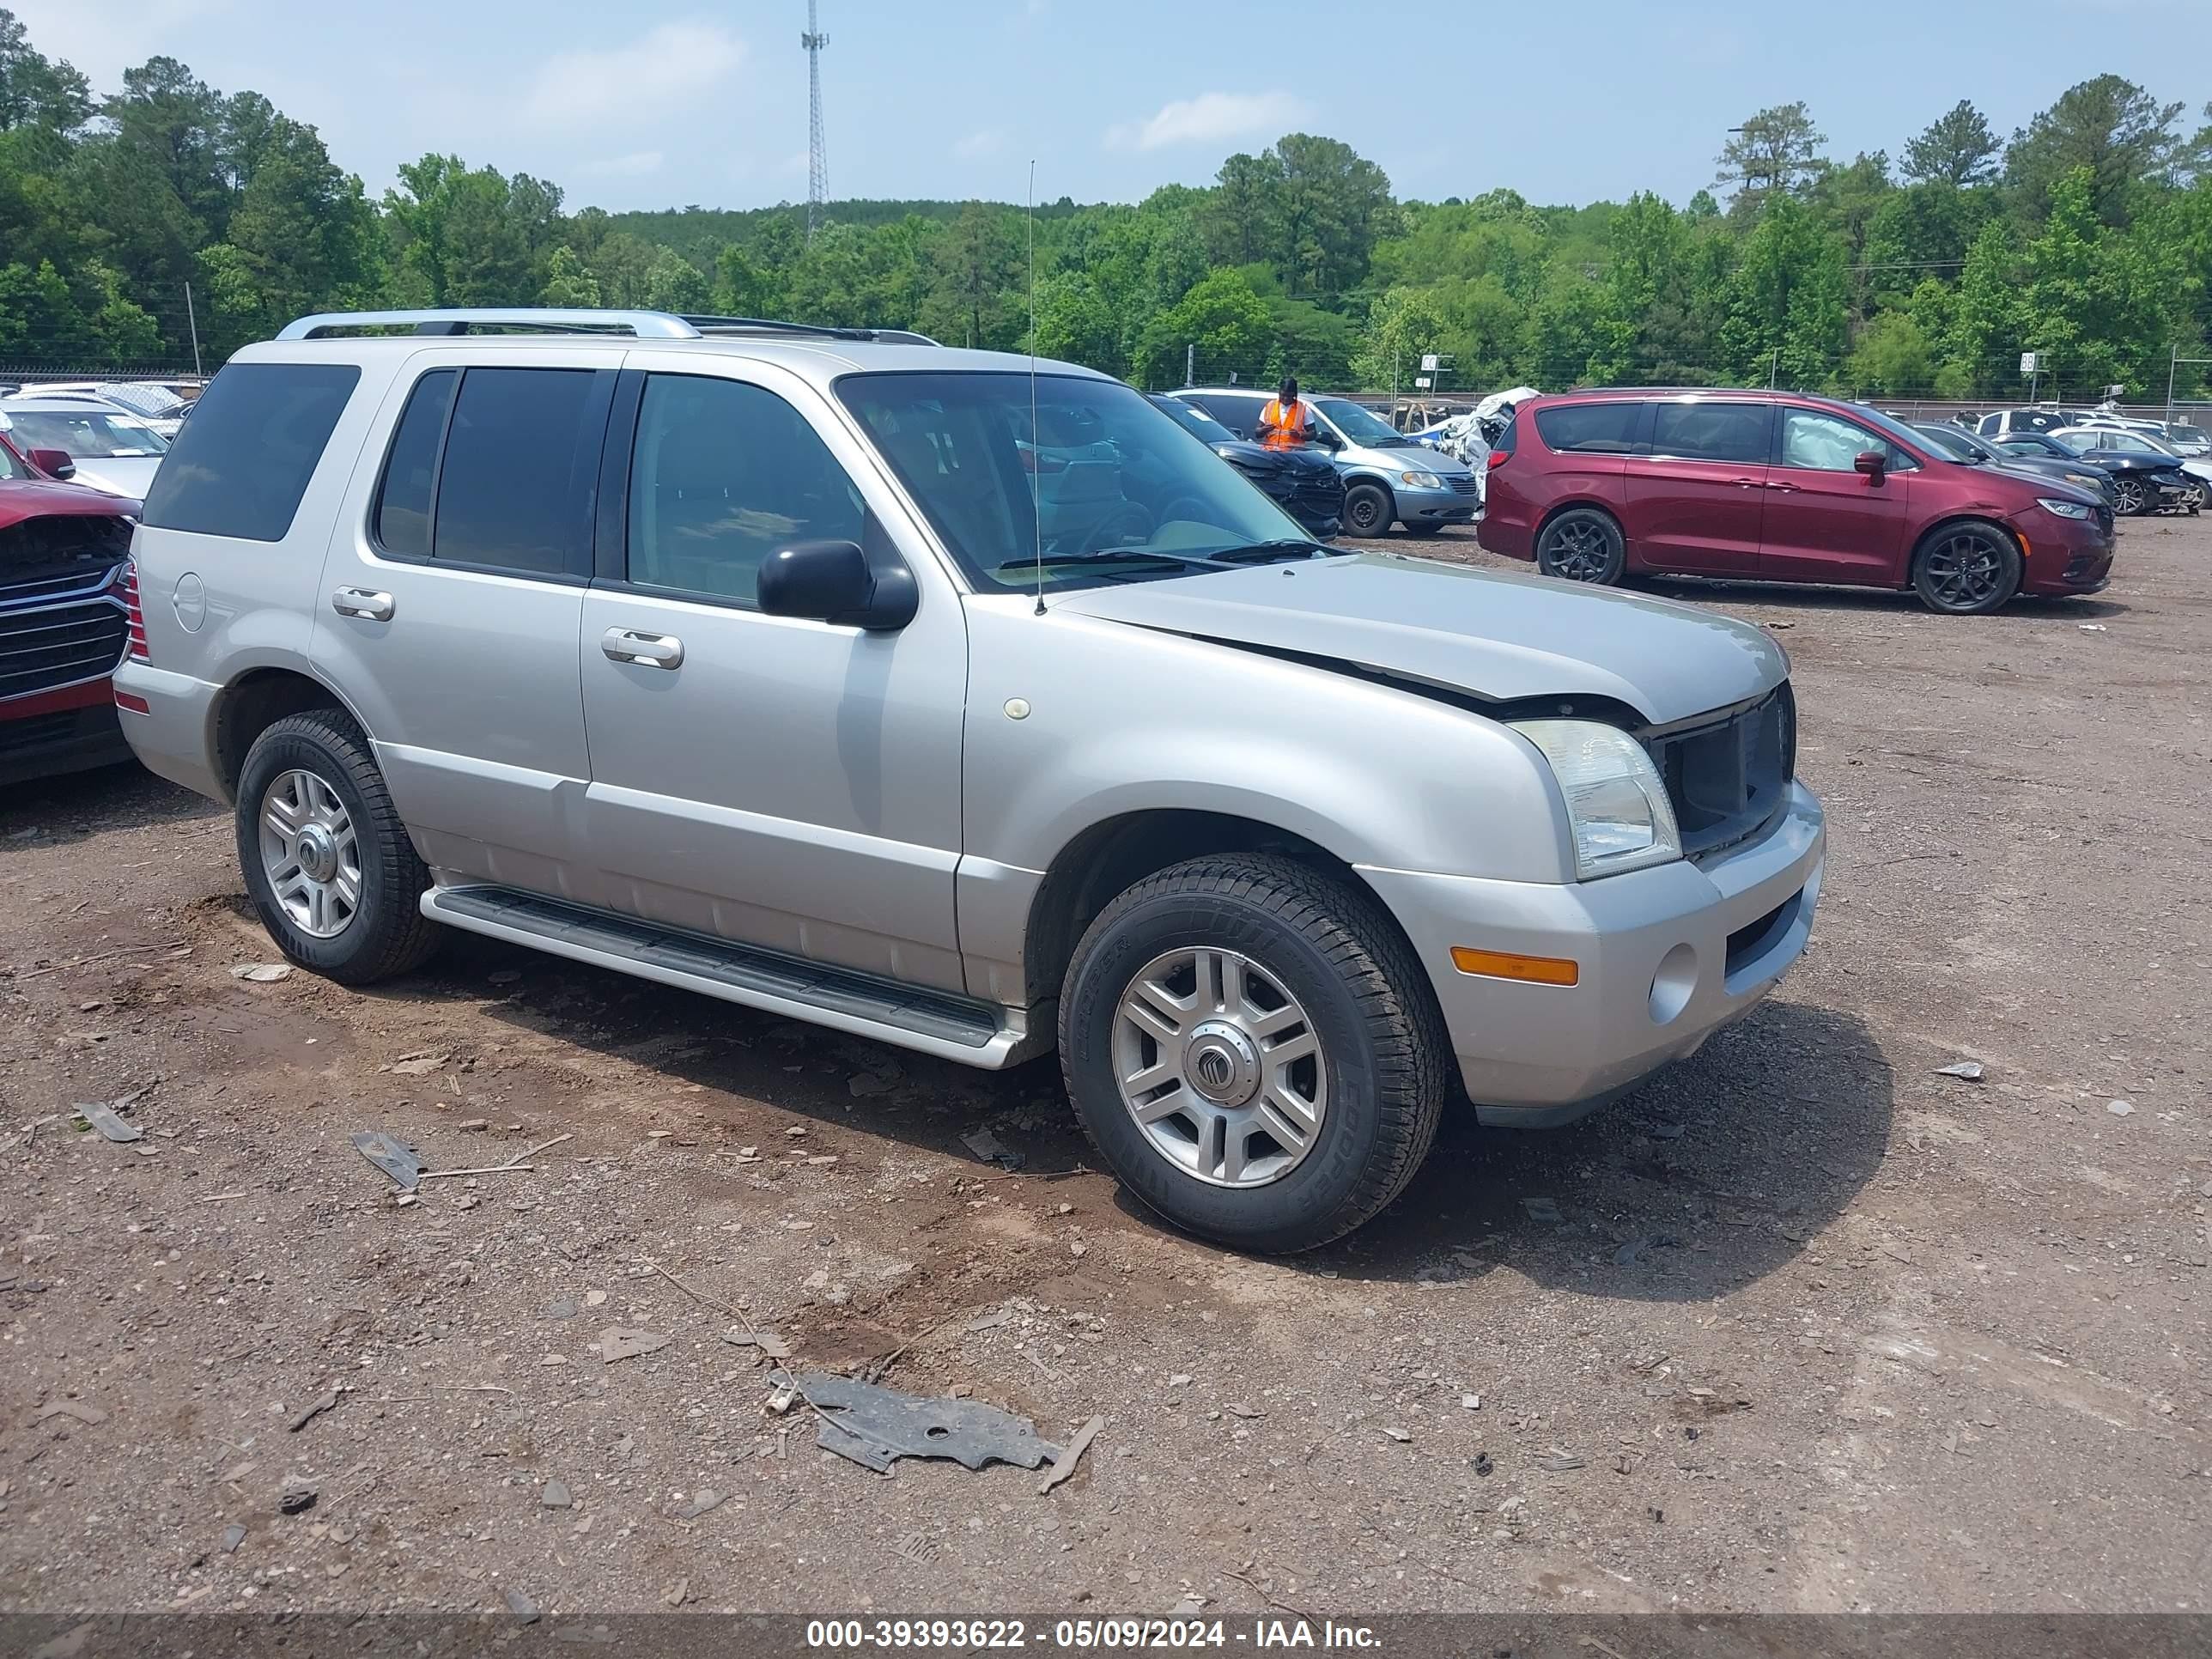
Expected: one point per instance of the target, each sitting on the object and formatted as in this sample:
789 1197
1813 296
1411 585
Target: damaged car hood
1492 635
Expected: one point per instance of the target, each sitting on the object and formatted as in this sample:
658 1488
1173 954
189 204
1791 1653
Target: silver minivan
1388 477
745 659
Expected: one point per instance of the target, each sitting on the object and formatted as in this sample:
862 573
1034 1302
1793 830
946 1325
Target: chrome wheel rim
1964 571
310 854
1220 1066
1579 550
2127 495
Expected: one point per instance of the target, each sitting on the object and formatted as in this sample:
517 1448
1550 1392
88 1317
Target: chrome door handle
651 650
1791 488
362 602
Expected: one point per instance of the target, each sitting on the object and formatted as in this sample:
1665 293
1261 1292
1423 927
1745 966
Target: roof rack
638 325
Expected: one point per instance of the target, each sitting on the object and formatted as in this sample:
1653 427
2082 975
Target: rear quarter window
242 462
1607 429
1240 415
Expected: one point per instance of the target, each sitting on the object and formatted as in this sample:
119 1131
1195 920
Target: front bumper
175 738
1445 506
72 731
2064 556
1667 956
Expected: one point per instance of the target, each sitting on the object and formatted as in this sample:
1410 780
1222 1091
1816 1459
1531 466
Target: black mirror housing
1872 462
835 581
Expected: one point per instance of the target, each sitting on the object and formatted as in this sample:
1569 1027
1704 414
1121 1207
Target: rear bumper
41 736
1666 957
175 738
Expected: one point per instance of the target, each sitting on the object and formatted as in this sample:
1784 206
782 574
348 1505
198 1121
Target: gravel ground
1803 1325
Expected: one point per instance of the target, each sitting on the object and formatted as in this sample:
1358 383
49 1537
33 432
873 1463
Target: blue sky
679 103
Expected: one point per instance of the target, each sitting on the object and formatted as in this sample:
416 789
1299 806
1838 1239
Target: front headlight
1420 480
2082 480
2061 509
1616 804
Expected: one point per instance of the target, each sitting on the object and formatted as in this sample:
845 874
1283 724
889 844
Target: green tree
1957 148
2125 138
1223 319
1894 355
568 283
36 90
1788 313
1775 150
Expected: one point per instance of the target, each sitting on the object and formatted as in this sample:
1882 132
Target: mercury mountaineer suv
741 657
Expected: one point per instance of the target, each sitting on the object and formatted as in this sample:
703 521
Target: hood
1489 634
37 499
119 475
1258 458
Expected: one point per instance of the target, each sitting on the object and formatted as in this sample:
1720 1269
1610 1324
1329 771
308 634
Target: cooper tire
318 765
1582 544
1367 510
1379 1050
1966 569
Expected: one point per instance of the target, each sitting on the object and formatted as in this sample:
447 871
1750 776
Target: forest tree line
2085 235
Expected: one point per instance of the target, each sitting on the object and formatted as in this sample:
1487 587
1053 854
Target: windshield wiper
1103 555
1287 547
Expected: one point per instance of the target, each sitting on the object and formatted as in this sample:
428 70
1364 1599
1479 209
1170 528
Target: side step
931 1022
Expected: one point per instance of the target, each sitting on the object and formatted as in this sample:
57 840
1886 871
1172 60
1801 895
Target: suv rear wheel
1251 1049
1966 569
1582 544
327 863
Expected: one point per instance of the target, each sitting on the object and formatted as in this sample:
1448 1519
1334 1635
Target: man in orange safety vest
1286 422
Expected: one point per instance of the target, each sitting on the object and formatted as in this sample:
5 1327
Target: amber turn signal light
1502 964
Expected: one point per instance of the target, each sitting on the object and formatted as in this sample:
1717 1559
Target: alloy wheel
2128 495
1579 550
1220 1066
310 853
1965 570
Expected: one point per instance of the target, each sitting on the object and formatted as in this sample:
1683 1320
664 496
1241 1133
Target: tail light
125 588
1498 458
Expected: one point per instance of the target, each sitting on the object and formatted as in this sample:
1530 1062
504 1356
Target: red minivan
1775 486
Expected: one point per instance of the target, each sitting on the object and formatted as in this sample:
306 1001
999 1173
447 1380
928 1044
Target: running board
906 1015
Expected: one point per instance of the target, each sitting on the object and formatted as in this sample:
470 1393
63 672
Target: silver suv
752 660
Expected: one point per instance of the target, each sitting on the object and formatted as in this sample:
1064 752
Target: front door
1695 497
784 783
1825 520
451 600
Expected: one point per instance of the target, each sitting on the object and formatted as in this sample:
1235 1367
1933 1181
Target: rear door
1697 492
786 783
450 603
1825 520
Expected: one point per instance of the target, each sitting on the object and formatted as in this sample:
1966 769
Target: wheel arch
1953 521
1367 477
256 699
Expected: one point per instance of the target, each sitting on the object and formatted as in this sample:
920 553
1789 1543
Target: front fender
1073 721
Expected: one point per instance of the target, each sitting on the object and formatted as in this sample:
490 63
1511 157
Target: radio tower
817 160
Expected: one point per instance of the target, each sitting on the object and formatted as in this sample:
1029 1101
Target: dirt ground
1813 1328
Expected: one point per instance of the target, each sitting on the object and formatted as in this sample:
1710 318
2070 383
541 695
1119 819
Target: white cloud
1210 118
635 165
672 65
979 144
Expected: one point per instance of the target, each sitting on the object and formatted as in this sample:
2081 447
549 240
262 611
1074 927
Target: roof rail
771 325
643 325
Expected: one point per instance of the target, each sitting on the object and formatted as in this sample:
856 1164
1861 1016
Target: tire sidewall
2004 595
1330 1175
282 751
1616 563
1384 509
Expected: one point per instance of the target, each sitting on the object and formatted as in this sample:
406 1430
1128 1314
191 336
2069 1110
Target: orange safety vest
1282 427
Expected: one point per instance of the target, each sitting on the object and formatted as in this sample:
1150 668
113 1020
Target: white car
153 403
112 448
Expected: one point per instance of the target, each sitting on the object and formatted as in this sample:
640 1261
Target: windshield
2183 433
2105 438
1360 425
156 401
1951 442
1193 419
1102 487
86 433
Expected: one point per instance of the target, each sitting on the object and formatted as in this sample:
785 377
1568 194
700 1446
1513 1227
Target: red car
69 610
1774 486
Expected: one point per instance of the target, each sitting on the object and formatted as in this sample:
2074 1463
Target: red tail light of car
125 588
1498 458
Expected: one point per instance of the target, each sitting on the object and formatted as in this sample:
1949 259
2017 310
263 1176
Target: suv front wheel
327 862
1251 1047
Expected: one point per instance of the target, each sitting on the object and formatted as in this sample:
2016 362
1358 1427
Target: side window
1822 443
411 472
1607 427
1712 432
724 474
516 486
1240 415
242 463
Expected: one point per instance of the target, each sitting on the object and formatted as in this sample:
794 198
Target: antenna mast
817 160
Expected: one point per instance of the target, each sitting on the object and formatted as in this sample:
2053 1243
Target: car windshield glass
2182 434
87 433
1950 442
156 401
1194 420
1361 425
1096 470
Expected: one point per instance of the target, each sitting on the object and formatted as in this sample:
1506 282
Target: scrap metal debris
991 1150
233 1536
262 973
106 1119
1064 1460
616 1342
315 1408
78 1409
297 1496
1969 1071
392 1155
874 1425
768 1342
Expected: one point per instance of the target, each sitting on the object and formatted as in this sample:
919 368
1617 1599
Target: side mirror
834 582
54 463
1872 462
1327 439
